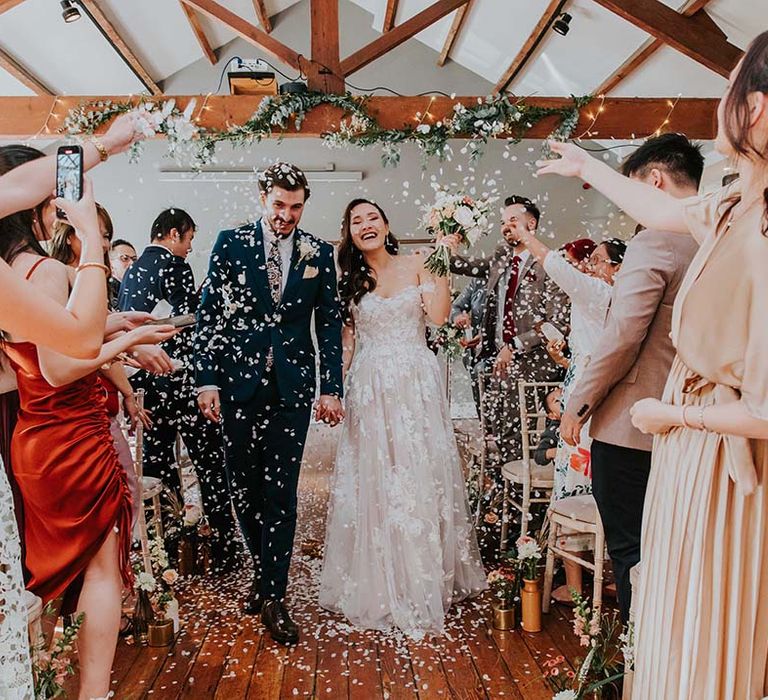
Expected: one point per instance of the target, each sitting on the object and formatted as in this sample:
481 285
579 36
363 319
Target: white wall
134 195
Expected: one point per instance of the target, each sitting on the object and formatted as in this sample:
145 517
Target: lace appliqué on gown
400 548
16 674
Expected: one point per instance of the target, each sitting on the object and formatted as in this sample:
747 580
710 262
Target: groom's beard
282 228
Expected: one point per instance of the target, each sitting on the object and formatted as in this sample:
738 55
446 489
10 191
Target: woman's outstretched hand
570 164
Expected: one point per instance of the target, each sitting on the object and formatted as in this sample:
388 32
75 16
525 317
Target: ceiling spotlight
562 24
69 11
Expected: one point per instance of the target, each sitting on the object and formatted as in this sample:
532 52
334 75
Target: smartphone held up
69 175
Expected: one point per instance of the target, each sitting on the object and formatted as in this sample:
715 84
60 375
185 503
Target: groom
255 371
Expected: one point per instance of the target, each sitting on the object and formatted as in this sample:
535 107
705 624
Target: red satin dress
73 487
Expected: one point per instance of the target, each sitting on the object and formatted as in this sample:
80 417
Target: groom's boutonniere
307 250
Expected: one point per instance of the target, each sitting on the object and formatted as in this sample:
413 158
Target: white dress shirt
501 293
284 245
589 296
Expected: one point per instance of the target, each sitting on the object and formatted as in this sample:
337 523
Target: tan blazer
634 354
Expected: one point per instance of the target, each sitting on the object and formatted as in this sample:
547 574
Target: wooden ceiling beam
454 31
696 36
399 34
6 5
125 51
390 15
261 13
324 73
554 8
247 31
621 118
197 30
9 64
650 47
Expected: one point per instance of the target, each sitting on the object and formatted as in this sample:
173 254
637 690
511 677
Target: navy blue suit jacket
159 274
237 322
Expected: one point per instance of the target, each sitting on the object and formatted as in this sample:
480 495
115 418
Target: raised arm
78 329
556 311
29 184
645 204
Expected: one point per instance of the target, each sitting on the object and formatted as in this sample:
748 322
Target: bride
400 548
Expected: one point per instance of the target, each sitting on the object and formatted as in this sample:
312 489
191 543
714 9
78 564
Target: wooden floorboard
223 654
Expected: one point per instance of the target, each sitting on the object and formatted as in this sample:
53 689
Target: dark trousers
619 481
173 402
264 443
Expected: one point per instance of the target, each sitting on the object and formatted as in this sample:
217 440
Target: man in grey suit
519 298
633 357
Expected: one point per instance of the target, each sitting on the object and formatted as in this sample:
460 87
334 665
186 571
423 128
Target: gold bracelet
101 266
686 424
101 148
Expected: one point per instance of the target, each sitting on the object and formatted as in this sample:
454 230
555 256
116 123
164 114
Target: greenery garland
489 118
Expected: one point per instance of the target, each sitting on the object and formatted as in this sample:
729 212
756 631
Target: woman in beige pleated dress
701 607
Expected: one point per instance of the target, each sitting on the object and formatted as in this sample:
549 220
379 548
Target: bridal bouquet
447 339
454 214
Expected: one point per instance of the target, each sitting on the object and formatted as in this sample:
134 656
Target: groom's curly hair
356 276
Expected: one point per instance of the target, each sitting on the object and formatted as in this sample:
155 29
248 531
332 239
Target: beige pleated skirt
701 608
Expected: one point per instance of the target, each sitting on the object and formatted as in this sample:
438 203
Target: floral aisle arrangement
488 118
454 214
50 667
155 616
597 674
529 555
186 520
504 583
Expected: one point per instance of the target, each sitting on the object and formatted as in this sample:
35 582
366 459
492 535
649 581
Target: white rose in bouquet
464 216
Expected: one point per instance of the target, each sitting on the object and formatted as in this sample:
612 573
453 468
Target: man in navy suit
255 367
162 272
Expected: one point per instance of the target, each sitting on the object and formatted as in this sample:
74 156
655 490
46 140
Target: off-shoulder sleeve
754 385
702 213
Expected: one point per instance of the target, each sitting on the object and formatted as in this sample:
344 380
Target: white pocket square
310 272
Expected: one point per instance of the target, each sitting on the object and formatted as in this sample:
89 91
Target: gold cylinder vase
530 596
503 618
160 633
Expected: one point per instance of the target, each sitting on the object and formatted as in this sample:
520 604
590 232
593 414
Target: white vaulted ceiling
75 59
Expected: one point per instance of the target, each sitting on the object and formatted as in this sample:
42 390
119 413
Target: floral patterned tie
275 279
275 272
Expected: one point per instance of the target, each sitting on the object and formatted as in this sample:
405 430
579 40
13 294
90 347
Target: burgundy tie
508 332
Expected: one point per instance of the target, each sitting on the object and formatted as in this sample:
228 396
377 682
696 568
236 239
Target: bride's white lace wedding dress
15 668
400 547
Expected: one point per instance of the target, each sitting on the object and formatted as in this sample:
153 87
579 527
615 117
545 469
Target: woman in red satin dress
76 502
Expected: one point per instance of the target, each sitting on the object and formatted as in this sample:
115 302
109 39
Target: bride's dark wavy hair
356 275
17 231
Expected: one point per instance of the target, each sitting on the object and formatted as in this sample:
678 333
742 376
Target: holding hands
329 410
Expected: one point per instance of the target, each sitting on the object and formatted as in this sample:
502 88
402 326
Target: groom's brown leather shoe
276 619
254 601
